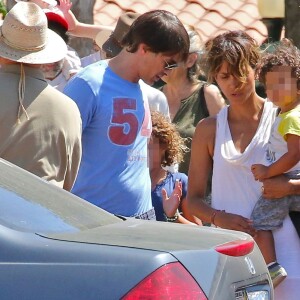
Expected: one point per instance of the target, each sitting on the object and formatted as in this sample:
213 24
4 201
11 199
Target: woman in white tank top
230 143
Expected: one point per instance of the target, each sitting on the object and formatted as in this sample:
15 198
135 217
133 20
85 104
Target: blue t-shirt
168 184
116 122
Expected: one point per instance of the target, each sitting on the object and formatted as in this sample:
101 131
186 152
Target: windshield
28 203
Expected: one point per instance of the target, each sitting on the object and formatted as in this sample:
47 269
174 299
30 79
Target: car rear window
49 211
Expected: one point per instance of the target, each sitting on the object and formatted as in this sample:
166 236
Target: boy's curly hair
283 53
167 134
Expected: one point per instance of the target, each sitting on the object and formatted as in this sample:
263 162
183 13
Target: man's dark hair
161 31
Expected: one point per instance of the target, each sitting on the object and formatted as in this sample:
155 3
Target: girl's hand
171 204
65 5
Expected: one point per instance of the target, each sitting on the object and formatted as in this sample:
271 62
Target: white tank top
235 190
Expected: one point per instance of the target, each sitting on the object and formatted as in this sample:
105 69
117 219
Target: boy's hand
259 171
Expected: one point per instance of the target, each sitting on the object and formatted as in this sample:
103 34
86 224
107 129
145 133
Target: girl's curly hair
167 134
283 53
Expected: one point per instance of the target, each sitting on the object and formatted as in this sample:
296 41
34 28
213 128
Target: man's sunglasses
170 66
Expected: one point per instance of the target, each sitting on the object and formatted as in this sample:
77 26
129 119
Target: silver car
54 245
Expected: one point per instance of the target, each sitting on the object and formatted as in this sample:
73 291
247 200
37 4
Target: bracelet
212 218
174 218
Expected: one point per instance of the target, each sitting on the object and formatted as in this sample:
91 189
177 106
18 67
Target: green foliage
3 9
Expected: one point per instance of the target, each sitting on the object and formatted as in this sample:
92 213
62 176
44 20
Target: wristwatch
174 218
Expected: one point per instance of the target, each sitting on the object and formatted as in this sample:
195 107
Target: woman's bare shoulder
205 133
207 124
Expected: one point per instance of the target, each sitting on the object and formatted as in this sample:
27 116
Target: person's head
161 32
58 24
25 37
166 146
156 42
235 48
110 40
279 71
190 68
229 60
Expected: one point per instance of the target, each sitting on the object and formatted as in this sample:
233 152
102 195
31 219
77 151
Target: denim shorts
268 214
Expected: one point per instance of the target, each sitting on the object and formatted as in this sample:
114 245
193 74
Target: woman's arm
188 217
200 168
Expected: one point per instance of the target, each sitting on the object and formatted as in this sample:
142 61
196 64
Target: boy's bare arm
289 159
283 164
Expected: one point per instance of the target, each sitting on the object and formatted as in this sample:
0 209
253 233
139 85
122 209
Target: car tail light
236 248
171 281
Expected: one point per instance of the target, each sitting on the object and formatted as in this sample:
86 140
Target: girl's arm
172 203
77 28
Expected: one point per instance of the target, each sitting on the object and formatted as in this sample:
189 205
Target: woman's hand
278 187
234 222
171 204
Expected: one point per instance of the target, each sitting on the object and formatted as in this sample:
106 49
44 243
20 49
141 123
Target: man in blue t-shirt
116 121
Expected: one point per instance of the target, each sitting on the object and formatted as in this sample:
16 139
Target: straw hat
110 40
25 37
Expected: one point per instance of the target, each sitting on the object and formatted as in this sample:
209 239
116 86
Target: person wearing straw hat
114 171
58 73
40 127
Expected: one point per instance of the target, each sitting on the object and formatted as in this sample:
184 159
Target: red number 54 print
125 125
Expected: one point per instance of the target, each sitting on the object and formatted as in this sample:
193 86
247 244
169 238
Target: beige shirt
49 143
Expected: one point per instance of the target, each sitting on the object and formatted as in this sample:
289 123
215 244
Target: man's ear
143 48
192 58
